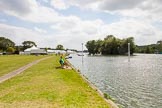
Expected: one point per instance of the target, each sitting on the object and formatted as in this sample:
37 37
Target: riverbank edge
110 102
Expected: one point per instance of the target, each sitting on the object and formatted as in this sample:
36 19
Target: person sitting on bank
61 62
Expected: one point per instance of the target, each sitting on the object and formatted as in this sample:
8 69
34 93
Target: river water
134 84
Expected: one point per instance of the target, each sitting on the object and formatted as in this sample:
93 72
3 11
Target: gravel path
20 70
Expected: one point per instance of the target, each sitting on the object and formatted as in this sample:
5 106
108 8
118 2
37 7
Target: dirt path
20 70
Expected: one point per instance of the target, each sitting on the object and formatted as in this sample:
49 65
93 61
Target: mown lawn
45 86
9 63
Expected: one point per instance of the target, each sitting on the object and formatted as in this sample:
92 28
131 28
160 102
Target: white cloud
33 11
67 38
143 32
66 23
59 4
147 9
113 5
67 28
84 4
75 27
71 30
40 30
19 7
19 34
37 13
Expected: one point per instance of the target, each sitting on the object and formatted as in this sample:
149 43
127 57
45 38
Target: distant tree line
150 49
59 47
111 46
7 46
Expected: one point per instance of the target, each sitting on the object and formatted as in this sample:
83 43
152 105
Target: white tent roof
50 51
60 51
32 48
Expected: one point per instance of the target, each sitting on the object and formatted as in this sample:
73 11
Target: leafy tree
124 45
10 50
91 46
110 45
46 48
159 46
28 44
98 46
5 43
60 47
148 49
107 45
153 48
18 49
109 37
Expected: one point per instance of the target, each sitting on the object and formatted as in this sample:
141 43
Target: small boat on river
80 54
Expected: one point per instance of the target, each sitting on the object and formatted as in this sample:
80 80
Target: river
134 84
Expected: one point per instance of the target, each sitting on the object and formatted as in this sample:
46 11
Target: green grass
44 86
9 63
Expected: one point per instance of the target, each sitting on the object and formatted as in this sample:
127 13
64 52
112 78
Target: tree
148 49
98 46
91 46
153 48
28 44
18 49
10 50
124 45
60 47
159 46
111 45
5 43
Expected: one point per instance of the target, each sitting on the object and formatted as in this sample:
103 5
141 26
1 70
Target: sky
72 22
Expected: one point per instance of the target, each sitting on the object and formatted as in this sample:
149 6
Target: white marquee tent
35 50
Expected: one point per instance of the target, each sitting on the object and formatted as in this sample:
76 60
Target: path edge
20 70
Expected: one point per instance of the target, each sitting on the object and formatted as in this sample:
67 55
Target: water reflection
134 84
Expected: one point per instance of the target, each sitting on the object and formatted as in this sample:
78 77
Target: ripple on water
135 84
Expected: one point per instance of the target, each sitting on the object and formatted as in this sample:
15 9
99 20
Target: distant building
70 52
35 51
50 51
60 51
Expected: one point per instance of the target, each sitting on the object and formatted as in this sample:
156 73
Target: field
9 63
44 85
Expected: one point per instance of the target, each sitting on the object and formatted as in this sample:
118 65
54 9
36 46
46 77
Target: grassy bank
46 86
9 63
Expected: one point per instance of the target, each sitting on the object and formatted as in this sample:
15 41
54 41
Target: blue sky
72 22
